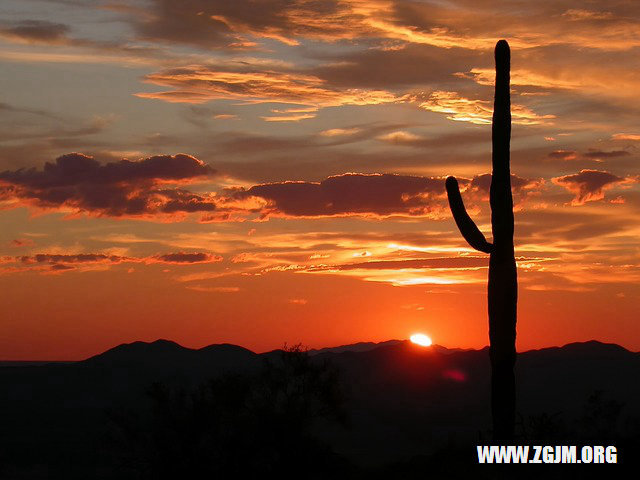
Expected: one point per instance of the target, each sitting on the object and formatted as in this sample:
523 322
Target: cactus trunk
503 283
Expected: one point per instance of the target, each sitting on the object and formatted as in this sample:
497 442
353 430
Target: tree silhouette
246 425
503 283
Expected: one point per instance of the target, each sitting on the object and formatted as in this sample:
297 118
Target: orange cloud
337 132
403 272
400 137
292 114
217 23
520 77
563 154
242 24
626 136
289 118
461 109
225 116
200 83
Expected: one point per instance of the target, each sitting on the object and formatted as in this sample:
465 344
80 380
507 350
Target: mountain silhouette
402 400
354 347
165 354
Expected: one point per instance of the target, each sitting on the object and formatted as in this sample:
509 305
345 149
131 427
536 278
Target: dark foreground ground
392 410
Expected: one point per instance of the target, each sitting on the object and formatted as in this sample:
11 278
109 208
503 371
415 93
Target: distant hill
165 355
403 399
355 347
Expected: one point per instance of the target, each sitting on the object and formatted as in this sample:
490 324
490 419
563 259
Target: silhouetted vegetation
503 283
246 425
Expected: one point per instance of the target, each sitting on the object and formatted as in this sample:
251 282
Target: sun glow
421 339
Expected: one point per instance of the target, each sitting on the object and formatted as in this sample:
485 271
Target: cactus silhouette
503 282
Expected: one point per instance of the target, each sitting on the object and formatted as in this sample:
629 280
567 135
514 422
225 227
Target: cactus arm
467 227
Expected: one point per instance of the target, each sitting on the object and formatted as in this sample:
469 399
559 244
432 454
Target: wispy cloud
201 83
462 109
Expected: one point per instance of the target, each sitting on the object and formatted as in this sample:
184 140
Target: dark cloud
15 109
413 65
351 194
58 267
186 258
76 258
518 184
388 25
223 23
188 22
472 24
35 31
124 188
475 191
147 189
603 154
588 185
53 133
64 262
521 188
21 242
57 34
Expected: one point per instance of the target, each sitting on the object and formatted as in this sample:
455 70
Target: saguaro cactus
503 282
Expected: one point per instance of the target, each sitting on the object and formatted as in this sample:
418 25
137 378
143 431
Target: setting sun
421 339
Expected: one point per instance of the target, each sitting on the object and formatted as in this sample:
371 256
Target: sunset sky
268 171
